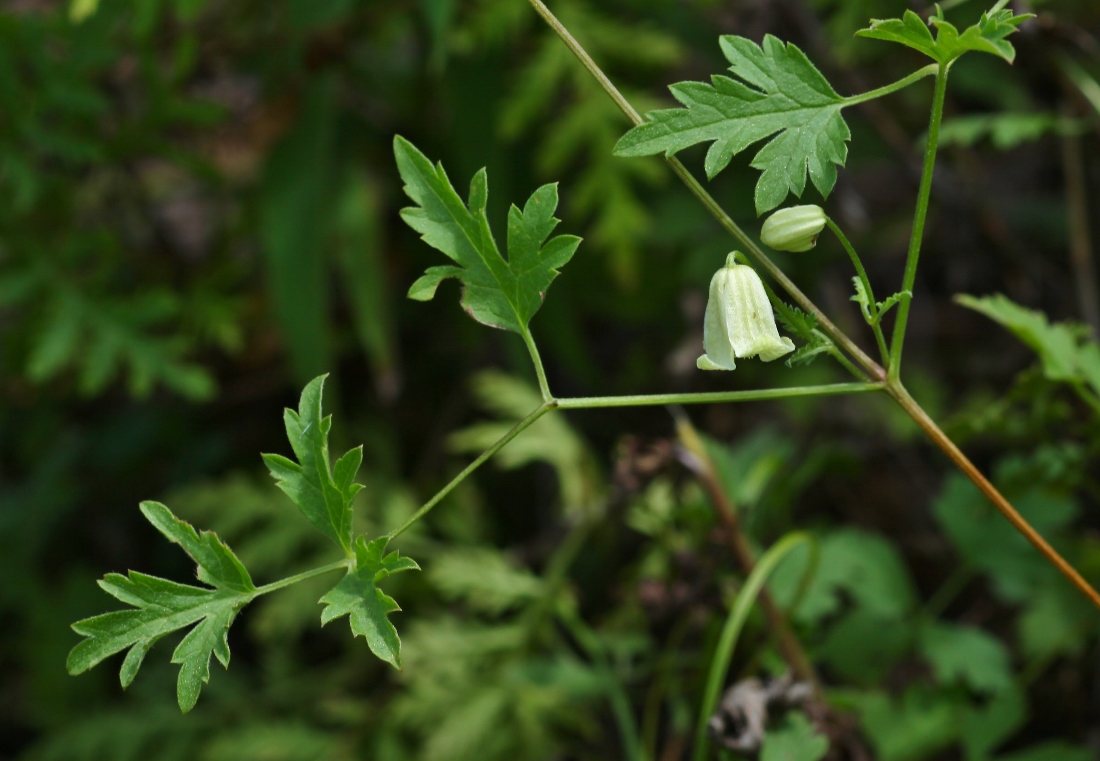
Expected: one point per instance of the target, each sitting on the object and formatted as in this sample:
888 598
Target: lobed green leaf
217 565
324 496
357 596
987 36
966 654
778 92
162 606
496 292
873 313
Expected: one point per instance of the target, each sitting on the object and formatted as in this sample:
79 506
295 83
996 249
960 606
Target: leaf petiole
872 309
290 580
519 428
540 371
833 389
897 342
901 84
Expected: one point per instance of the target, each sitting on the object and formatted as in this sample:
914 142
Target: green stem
833 389
544 387
346 563
923 195
846 363
901 84
711 205
858 264
520 427
719 665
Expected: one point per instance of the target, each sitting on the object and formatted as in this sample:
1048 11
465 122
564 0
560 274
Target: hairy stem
919 217
858 264
520 427
901 84
708 201
346 563
592 402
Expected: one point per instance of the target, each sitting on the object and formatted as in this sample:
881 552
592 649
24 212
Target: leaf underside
357 596
496 292
162 606
323 494
778 92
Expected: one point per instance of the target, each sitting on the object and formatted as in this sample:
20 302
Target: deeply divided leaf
324 494
496 292
217 565
777 92
368 607
804 325
161 606
987 36
873 313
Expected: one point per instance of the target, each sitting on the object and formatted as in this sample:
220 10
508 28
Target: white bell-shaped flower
739 321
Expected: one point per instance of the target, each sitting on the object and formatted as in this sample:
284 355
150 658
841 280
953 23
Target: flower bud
739 321
793 229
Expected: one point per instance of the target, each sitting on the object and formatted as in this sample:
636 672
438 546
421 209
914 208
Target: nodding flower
793 229
739 321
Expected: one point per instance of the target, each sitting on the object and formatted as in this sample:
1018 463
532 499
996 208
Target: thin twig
703 467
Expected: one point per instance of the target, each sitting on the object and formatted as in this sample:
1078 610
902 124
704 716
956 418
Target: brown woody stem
877 372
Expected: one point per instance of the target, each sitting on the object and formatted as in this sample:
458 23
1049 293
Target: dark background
199 213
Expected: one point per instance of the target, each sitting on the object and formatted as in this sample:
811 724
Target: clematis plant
505 290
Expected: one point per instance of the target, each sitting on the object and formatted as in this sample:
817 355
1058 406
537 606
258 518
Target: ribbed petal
739 322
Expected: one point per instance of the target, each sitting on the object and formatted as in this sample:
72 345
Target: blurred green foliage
200 214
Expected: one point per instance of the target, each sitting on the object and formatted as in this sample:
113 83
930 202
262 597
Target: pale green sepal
793 229
705 363
739 322
357 596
